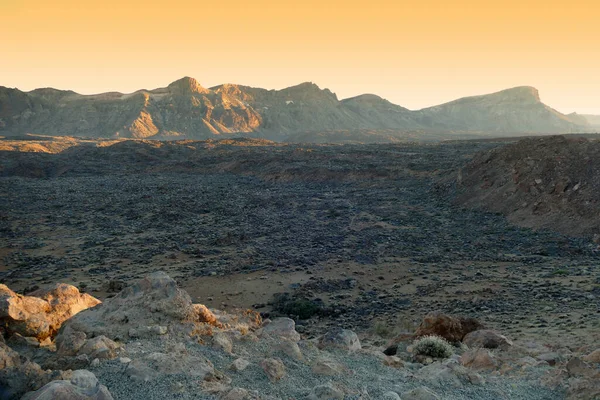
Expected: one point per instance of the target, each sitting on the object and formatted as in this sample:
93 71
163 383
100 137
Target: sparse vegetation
433 346
300 308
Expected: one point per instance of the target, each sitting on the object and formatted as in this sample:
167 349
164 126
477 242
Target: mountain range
185 109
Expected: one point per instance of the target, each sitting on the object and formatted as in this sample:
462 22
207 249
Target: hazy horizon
416 55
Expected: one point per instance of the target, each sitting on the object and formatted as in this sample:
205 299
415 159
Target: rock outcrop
41 313
141 309
450 328
83 385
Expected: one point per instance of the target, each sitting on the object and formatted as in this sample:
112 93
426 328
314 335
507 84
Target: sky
415 53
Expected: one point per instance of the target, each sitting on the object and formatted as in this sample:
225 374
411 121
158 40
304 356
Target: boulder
327 367
487 339
154 300
340 339
18 376
42 313
551 358
239 364
83 385
99 347
291 349
274 368
282 327
478 359
68 342
326 392
576 367
593 357
450 328
391 396
221 341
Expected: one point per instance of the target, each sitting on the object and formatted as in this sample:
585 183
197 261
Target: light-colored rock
340 339
146 332
391 396
221 341
155 300
487 339
84 379
327 392
41 313
393 361
478 359
239 364
273 368
152 365
420 393
282 327
327 367
437 374
236 394
291 349
551 358
100 347
593 357
82 386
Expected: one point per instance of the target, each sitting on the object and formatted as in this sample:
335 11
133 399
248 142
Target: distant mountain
593 120
516 110
185 109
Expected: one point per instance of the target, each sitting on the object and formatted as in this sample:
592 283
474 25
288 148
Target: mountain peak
187 85
522 93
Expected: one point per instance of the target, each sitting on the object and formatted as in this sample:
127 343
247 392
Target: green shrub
433 346
296 307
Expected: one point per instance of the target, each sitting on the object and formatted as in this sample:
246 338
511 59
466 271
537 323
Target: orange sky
414 53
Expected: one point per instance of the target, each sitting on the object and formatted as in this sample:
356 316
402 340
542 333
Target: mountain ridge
186 109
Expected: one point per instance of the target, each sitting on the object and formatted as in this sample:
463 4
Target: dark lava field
356 233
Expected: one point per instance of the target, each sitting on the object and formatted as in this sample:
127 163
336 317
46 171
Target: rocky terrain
186 110
548 183
150 341
368 238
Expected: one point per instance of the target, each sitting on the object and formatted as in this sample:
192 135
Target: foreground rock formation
40 314
150 341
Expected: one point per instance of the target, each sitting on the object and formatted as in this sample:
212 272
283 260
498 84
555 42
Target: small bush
296 307
433 346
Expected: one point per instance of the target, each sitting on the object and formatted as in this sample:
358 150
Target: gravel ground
367 377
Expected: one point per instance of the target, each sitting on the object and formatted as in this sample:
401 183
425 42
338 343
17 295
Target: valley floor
361 231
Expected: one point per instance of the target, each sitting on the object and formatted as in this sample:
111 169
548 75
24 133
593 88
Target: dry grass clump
433 346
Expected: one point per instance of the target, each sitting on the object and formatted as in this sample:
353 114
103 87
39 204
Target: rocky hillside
185 109
550 183
517 110
593 120
151 342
